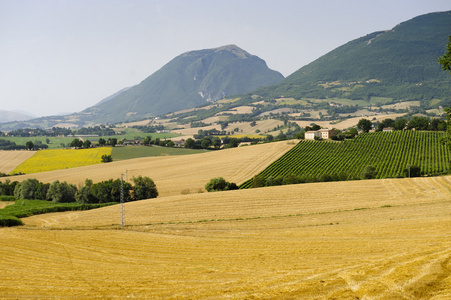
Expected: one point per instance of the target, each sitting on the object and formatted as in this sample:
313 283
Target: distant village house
324 134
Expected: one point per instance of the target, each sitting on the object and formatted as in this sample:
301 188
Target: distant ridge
10 116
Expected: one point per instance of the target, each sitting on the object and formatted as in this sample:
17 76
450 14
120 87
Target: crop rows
389 152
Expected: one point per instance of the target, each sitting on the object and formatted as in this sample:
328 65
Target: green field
389 152
128 152
9 216
62 142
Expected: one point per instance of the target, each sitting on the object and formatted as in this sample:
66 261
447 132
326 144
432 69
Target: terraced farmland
380 239
390 152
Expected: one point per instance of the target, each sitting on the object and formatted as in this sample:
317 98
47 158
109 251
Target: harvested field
352 122
9 160
174 174
375 239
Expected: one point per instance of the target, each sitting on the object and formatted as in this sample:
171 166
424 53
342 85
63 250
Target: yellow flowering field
48 160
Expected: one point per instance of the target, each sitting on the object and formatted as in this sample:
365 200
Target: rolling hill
400 63
384 239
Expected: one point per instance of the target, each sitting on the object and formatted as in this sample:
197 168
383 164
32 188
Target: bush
106 158
412 171
7 187
219 184
9 221
61 192
31 189
144 188
7 198
369 172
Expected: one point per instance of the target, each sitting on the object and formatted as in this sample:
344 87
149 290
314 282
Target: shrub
144 188
61 192
219 184
369 172
31 189
106 158
9 221
412 171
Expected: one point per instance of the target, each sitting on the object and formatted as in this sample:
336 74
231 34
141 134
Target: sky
63 56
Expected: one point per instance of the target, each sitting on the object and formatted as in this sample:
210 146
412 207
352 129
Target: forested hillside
400 63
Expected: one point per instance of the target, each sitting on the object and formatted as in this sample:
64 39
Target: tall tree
29 145
365 125
445 59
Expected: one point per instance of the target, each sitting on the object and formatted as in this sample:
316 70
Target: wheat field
9 160
374 239
174 174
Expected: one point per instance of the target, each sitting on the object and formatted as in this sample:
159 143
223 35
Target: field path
174 174
9 160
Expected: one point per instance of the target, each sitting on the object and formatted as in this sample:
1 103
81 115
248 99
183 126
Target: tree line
101 130
63 192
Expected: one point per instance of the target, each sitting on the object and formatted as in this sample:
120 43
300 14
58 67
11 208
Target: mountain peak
233 49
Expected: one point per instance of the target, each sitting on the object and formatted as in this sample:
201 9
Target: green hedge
7 198
9 221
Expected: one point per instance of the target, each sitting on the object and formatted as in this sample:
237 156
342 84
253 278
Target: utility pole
122 203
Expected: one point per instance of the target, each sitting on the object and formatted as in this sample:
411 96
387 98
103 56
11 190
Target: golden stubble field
374 239
174 174
9 160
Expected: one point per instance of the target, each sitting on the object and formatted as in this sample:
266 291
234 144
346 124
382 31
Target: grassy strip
129 152
26 208
7 198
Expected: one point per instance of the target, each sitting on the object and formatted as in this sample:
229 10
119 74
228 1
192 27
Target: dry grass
239 110
377 239
352 122
172 174
9 160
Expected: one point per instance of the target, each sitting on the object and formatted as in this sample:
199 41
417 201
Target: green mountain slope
189 80
400 63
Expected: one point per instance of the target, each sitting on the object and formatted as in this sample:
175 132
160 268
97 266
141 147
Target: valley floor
374 239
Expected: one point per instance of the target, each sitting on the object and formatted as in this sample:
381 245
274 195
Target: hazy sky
66 55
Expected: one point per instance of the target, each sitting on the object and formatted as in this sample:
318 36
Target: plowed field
374 239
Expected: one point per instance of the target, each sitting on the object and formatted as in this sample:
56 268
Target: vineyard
391 153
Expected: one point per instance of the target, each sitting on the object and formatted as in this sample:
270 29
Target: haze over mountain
191 79
400 63
10 116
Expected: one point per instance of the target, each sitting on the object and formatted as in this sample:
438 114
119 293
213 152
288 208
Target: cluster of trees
8 145
416 123
63 192
261 181
220 184
56 131
149 128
